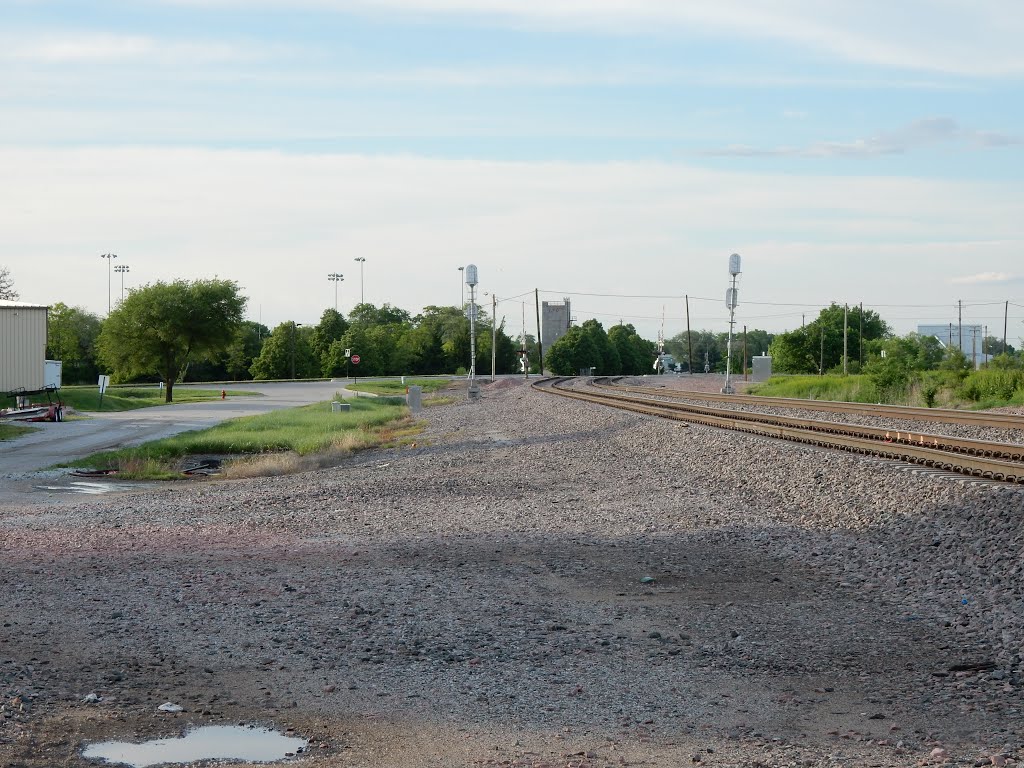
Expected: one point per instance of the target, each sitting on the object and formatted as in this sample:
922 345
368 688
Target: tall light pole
121 269
462 288
361 260
731 299
109 257
336 277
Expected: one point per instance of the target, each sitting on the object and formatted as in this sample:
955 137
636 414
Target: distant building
970 343
556 317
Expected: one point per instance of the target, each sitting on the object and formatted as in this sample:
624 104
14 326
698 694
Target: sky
614 152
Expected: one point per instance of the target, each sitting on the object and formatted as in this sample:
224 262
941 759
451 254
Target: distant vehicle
666 363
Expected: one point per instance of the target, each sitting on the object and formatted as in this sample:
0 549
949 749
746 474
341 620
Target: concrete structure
556 317
762 368
949 336
22 345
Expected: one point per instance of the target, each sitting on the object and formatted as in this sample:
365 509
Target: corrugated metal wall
22 347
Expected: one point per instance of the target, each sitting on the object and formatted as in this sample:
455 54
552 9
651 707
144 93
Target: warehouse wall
22 346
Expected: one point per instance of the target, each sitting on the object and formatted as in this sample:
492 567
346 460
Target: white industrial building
970 342
22 345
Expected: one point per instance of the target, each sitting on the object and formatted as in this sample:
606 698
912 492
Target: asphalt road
53 443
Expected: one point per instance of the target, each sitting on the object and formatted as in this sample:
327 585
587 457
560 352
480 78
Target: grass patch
850 389
130 398
11 431
283 441
396 387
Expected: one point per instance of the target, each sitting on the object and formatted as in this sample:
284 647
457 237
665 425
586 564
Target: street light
361 261
121 269
336 277
109 257
462 288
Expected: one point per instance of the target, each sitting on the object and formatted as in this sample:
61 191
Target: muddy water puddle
217 742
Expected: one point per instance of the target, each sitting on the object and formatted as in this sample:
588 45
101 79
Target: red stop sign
355 359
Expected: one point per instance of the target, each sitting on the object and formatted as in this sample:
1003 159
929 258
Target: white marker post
103 383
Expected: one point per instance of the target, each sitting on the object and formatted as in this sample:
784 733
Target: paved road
54 443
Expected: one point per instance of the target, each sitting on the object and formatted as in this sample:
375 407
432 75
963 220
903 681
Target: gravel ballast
539 582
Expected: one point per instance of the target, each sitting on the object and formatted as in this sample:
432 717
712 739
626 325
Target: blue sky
850 151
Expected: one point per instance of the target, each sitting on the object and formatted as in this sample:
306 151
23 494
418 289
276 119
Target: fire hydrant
223 394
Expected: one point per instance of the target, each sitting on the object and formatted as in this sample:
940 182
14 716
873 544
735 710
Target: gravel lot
539 582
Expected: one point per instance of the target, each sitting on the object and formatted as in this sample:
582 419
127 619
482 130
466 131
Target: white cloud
278 223
919 134
82 47
969 37
984 277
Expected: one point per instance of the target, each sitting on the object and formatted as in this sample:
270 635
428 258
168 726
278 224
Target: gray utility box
762 368
414 398
337 407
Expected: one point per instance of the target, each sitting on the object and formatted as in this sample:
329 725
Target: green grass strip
130 398
305 430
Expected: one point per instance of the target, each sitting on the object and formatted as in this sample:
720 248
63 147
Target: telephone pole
689 336
540 342
846 338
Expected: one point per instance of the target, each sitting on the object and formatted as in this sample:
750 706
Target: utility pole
960 324
974 348
540 343
821 363
744 353
526 356
689 336
1006 319
860 343
846 339
494 333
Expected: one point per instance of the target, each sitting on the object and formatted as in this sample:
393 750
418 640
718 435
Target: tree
161 328
331 328
244 349
573 351
368 314
636 355
821 341
71 335
287 354
7 285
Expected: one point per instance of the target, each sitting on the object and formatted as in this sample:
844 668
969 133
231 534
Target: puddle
215 742
91 489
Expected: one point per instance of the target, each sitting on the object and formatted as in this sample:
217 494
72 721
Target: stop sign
355 359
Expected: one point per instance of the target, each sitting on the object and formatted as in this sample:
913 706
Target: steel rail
777 427
904 412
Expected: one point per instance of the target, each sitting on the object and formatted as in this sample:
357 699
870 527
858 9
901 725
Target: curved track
977 458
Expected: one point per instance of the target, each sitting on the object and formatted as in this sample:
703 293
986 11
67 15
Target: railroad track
900 412
976 458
